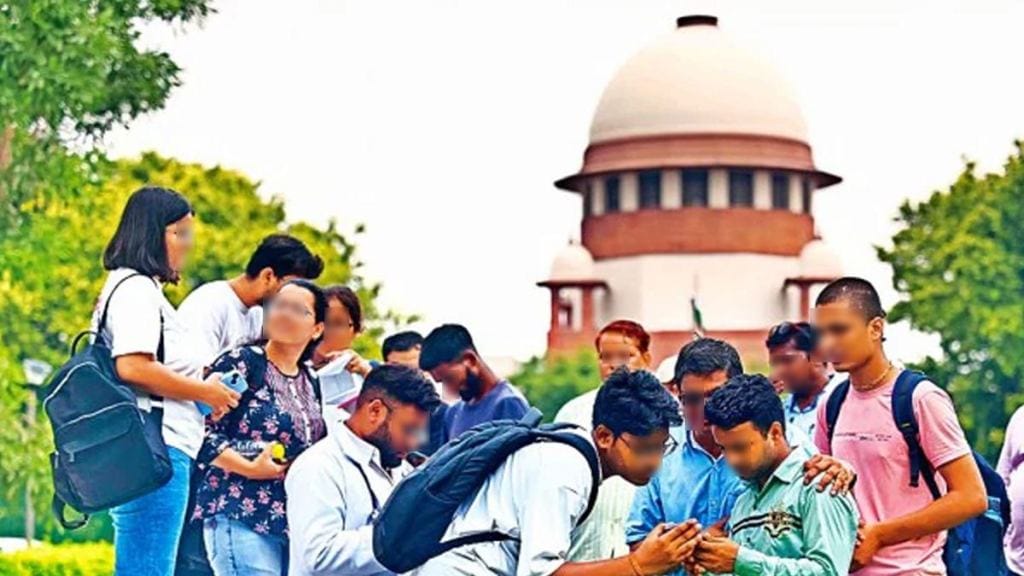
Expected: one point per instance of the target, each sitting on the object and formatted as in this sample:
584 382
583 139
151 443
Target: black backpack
108 451
974 547
410 526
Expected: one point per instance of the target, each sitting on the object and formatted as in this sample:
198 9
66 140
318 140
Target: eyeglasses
293 308
665 449
410 431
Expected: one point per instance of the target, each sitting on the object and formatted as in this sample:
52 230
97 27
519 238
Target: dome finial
696 20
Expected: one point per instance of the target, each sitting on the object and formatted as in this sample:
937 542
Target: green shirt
787 528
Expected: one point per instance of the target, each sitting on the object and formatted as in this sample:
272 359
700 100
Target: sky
442 124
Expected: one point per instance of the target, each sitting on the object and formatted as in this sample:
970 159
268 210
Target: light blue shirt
807 418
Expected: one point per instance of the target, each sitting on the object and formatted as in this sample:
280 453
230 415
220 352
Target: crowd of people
704 468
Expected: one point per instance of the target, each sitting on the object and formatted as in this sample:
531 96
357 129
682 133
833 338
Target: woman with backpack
241 498
152 352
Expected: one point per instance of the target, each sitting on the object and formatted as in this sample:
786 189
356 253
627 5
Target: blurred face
339 332
848 340
179 238
748 452
400 429
460 377
615 350
290 317
410 357
635 458
792 368
695 388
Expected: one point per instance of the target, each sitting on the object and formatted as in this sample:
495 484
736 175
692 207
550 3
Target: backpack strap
102 324
906 422
585 447
835 402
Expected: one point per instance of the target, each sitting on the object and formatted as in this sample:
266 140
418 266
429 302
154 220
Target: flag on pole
698 319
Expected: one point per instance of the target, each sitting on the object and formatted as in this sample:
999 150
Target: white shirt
330 507
219 320
537 497
133 327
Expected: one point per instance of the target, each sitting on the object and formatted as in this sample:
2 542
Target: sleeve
316 525
133 317
511 408
220 434
549 506
942 438
1010 450
829 536
646 512
205 323
821 431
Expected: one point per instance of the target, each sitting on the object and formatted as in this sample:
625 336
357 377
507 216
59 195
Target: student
226 314
696 482
798 368
241 497
336 487
154 352
602 535
404 349
344 324
1010 469
451 358
779 525
538 494
904 528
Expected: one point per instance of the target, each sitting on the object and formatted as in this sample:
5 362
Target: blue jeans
147 529
235 549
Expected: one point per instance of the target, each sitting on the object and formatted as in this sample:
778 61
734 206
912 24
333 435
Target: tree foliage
959 260
549 383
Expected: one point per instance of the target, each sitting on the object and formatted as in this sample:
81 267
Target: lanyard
373 497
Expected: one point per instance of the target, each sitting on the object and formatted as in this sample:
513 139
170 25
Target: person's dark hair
745 398
140 242
634 402
399 384
286 256
348 298
629 329
445 344
400 342
858 292
705 356
803 336
319 311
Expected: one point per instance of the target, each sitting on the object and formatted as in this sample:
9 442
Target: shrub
92 559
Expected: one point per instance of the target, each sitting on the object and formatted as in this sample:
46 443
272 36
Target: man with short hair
798 368
226 314
451 358
540 492
779 525
904 528
336 487
404 349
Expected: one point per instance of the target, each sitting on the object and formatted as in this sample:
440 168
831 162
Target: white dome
696 80
819 260
573 263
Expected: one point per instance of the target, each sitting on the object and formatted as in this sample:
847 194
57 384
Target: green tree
549 383
959 260
52 273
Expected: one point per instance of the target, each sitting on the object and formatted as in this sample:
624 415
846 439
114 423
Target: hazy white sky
441 124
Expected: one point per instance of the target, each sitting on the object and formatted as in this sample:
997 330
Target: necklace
881 378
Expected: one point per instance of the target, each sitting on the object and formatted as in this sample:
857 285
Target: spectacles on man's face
293 309
651 450
418 434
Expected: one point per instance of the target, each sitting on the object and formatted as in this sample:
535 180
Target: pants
147 529
235 549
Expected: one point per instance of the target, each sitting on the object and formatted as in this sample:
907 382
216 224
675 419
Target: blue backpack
409 529
974 547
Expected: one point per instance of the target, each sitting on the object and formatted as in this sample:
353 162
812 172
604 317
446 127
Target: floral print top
276 408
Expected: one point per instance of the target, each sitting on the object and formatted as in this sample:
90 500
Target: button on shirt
788 528
536 497
330 507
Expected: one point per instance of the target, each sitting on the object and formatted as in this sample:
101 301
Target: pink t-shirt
866 436
1011 469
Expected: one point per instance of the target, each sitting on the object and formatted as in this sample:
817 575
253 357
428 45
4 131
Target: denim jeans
235 549
147 529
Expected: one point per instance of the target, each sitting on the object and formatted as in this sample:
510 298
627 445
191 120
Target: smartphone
416 459
233 380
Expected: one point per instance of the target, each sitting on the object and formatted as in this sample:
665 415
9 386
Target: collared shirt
536 498
603 534
332 490
807 418
690 484
787 528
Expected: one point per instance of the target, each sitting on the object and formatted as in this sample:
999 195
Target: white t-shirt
219 320
133 327
537 497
